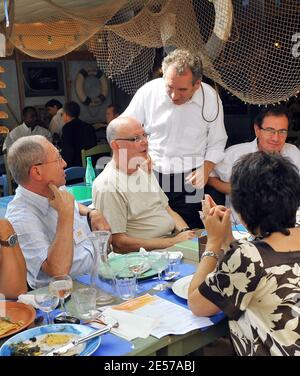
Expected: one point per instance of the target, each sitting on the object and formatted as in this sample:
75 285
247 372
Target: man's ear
256 130
197 84
114 145
34 173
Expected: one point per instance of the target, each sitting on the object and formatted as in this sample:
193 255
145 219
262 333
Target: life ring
79 86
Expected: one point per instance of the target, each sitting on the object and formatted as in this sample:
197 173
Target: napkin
131 325
27 299
142 251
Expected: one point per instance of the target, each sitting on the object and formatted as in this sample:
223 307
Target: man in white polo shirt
271 130
184 119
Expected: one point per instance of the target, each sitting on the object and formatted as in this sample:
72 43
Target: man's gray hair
113 127
112 130
23 154
182 60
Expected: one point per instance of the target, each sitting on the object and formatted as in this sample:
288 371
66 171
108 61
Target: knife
63 349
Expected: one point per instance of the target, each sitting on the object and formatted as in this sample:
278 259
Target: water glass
85 302
125 282
158 262
174 261
61 286
46 302
136 264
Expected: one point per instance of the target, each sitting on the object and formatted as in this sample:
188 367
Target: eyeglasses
136 139
59 159
272 131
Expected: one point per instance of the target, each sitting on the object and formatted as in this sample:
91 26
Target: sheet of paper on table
169 317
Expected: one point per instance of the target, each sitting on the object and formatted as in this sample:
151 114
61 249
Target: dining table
191 343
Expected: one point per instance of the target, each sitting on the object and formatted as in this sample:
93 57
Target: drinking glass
174 260
136 264
61 286
46 302
158 262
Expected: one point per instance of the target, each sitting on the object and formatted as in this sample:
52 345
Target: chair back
4 185
75 173
96 150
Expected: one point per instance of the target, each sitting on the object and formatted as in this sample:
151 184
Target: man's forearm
219 185
125 244
60 253
83 210
208 167
179 221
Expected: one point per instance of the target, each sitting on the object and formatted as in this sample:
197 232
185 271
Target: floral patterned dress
259 290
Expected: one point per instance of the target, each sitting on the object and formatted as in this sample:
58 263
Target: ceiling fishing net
249 47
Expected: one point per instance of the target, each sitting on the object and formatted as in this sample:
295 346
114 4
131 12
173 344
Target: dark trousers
183 198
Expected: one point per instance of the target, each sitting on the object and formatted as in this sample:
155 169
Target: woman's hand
217 224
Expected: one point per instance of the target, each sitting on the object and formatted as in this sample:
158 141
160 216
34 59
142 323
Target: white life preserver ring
80 91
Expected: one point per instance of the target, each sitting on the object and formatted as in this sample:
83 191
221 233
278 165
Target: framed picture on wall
43 79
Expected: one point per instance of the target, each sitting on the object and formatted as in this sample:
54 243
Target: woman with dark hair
256 283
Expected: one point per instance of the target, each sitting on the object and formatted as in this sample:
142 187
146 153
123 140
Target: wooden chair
96 150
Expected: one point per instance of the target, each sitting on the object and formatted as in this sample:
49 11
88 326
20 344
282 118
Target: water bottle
89 172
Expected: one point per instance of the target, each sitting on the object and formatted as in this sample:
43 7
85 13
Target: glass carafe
101 268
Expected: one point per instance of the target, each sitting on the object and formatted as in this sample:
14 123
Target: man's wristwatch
185 229
11 241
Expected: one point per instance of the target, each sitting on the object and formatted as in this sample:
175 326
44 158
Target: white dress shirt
22 131
180 139
223 169
35 222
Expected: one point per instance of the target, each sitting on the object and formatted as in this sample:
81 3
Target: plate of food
181 286
43 339
118 263
14 317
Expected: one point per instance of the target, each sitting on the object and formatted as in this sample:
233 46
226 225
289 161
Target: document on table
171 318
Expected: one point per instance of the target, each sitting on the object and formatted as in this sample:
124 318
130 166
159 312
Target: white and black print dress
259 291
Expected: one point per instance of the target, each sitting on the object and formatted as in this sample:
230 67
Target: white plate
180 287
74 330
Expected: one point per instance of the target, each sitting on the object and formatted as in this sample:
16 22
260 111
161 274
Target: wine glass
61 286
136 264
158 262
46 302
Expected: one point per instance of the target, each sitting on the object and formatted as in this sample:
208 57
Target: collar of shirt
42 203
196 98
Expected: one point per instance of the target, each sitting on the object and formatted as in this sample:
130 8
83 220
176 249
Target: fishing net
249 47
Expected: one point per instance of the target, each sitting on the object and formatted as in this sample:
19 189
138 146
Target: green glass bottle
89 172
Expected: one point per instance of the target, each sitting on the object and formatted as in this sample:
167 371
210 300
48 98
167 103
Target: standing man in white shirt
29 127
184 118
271 130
